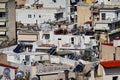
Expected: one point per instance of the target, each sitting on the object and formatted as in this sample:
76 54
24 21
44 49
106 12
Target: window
108 0
41 58
103 16
47 36
54 1
29 16
72 40
115 78
3 14
39 16
34 16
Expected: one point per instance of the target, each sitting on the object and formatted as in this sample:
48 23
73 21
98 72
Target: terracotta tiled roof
110 64
7 65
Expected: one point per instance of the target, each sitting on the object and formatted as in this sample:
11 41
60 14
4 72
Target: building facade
7 20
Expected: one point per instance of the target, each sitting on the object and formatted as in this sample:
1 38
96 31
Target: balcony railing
3 29
2 38
111 20
3 19
3 10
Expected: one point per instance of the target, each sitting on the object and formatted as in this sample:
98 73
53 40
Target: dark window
41 58
39 16
72 40
27 57
29 16
115 78
3 14
103 16
54 1
47 36
58 16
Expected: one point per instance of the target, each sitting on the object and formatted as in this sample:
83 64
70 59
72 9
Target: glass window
115 78
29 16
72 40
47 36
54 1
103 16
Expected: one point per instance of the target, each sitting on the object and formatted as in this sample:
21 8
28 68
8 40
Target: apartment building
109 19
32 16
7 20
38 11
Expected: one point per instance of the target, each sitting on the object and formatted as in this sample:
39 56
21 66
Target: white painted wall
33 56
39 15
109 15
22 15
57 4
79 41
100 26
48 3
111 2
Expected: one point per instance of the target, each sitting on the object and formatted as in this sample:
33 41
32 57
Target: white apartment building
109 2
109 19
57 9
32 16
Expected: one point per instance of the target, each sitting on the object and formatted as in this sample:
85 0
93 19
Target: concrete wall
19 58
111 2
3 58
38 16
83 14
57 4
109 15
49 3
108 51
100 26
58 76
27 37
11 20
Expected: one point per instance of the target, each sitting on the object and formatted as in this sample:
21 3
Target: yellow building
89 1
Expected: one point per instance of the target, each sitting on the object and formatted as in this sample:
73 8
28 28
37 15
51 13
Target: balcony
3 10
3 29
3 0
110 20
3 19
2 38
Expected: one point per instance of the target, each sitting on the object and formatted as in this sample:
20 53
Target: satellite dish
6 72
20 75
34 78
